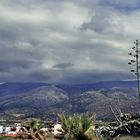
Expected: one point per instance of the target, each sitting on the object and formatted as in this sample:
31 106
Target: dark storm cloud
98 22
66 41
8 65
126 6
63 65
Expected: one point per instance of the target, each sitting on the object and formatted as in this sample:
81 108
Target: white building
7 129
18 128
57 129
1 129
44 129
12 133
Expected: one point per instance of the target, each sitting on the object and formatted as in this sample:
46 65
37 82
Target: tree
135 62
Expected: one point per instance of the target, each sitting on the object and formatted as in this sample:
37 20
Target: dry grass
129 138
52 138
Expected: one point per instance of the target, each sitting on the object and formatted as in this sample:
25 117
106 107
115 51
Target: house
7 129
57 129
1 129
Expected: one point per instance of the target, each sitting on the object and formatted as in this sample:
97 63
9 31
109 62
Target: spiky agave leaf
87 124
66 123
85 127
79 127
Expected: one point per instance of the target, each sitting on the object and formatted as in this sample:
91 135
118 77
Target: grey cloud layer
66 41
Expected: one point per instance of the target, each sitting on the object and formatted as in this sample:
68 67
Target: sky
67 41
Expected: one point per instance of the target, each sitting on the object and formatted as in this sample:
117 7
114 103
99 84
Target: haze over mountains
42 98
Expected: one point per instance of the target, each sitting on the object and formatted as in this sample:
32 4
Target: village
15 129
10 130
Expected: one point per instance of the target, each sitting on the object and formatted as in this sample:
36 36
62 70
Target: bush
78 127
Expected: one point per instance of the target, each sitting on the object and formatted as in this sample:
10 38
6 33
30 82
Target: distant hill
18 88
97 86
42 98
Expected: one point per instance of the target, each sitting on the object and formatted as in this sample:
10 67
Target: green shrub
78 127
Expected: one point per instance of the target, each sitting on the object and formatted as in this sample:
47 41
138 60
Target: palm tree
78 127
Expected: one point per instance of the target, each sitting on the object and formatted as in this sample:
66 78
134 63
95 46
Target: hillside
101 100
41 98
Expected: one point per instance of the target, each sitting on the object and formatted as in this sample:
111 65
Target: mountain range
40 99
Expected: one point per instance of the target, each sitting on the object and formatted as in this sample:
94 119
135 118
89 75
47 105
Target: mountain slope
43 96
40 98
101 100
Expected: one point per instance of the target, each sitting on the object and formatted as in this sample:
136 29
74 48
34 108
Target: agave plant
31 125
78 127
31 130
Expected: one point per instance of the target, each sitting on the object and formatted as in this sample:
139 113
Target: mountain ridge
39 98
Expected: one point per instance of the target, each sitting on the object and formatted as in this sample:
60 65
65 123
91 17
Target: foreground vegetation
127 124
128 138
6 138
78 127
81 127
52 138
